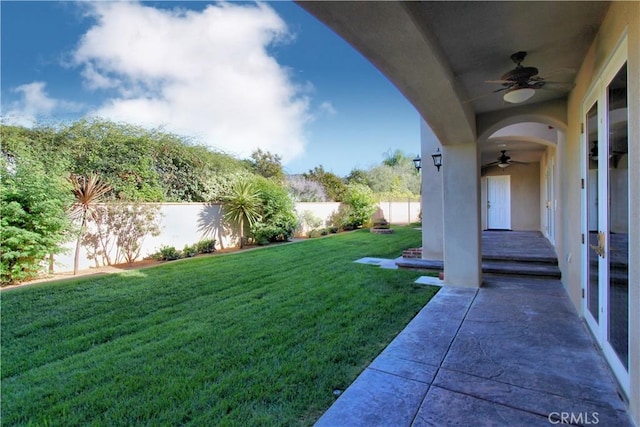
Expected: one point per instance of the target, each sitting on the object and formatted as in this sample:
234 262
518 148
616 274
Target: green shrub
206 246
278 220
360 198
341 219
189 251
33 221
167 253
263 233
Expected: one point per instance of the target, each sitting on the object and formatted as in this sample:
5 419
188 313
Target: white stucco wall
187 223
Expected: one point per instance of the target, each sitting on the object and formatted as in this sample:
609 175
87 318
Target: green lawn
254 338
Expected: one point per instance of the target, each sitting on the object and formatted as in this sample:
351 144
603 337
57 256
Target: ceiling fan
504 161
520 83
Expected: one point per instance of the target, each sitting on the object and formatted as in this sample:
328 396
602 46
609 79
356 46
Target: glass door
618 217
606 206
592 288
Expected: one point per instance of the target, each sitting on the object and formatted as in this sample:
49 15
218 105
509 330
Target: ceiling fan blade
500 81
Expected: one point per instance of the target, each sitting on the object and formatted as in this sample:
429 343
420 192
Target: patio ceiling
440 54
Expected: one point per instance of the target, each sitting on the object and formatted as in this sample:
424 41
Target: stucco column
461 215
431 200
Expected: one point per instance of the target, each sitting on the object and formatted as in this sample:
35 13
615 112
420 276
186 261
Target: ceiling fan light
503 165
516 96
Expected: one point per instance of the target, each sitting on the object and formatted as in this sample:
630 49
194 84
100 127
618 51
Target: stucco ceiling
478 39
440 54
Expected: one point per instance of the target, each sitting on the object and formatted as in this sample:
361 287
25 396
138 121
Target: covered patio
533 107
513 352
522 253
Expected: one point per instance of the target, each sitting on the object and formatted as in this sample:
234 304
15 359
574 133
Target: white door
606 216
499 202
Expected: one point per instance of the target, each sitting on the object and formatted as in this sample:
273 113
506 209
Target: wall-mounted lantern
437 159
416 163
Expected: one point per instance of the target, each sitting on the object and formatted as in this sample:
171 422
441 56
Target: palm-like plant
243 204
89 192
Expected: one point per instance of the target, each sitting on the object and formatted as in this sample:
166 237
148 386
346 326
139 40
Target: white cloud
207 74
34 105
327 108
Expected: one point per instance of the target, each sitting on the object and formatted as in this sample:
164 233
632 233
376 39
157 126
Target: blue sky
234 76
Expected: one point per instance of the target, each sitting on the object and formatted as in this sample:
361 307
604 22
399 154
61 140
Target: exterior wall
622 17
525 195
187 223
432 208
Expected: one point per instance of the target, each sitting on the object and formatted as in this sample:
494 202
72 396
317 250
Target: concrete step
527 268
511 267
521 258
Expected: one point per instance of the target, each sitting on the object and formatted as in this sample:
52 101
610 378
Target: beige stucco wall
525 195
622 17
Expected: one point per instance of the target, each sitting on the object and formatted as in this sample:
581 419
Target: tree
361 201
333 185
395 178
358 176
122 227
393 158
242 205
278 219
304 190
89 192
267 164
33 219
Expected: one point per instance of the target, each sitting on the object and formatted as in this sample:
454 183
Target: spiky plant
89 192
242 204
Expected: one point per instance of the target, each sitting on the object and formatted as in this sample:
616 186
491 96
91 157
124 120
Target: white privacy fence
187 223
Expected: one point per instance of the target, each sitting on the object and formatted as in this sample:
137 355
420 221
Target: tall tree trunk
76 259
241 233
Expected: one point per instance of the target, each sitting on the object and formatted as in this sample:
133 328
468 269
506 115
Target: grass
254 338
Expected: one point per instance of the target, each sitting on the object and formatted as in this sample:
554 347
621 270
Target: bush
189 251
206 246
263 234
33 221
362 203
167 253
278 220
341 219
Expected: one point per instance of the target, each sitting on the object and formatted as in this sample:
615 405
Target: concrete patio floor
512 353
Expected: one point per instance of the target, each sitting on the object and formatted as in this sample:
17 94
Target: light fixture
416 163
503 165
518 94
437 159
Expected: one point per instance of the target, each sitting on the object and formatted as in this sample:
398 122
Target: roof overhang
441 54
